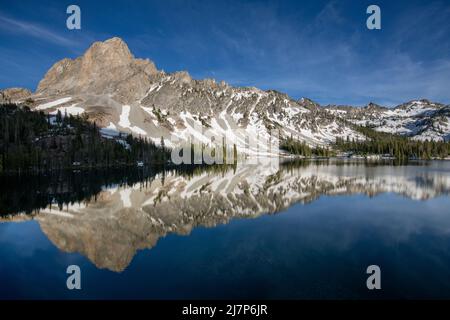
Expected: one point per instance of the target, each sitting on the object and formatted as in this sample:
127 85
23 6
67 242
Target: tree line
397 146
35 141
301 148
376 143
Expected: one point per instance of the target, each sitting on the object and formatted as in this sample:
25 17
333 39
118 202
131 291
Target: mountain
14 94
418 119
106 68
124 94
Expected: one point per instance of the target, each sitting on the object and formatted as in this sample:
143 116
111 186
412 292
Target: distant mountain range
125 94
419 119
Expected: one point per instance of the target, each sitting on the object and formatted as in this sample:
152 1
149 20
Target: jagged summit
115 49
308 103
374 106
105 68
13 94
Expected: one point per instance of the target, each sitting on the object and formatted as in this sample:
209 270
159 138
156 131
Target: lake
302 230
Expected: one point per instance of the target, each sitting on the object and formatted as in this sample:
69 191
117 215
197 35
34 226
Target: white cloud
32 29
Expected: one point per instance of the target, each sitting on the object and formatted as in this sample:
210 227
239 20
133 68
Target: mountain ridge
124 94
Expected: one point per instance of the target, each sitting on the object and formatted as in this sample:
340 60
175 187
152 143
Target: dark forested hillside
302 149
397 146
377 143
34 141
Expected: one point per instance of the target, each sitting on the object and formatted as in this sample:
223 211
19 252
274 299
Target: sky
316 49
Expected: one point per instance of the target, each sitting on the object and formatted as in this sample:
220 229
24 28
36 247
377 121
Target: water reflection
109 216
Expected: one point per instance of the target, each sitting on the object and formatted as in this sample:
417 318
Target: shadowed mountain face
112 226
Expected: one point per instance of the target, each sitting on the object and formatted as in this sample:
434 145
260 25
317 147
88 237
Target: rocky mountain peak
419 103
14 94
374 107
105 68
308 103
183 77
113 52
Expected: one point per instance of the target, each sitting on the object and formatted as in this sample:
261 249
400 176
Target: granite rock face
105 68
14 94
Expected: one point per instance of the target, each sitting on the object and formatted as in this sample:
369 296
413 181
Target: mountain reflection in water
109 216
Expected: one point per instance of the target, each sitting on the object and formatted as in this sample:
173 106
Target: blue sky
316 49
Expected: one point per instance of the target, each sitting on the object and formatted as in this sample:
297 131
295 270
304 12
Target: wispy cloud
331 58
35 30
318 49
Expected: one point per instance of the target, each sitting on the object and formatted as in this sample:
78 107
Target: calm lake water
305 230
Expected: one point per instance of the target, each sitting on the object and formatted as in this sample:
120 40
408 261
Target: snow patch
125 197
52 104
110 131
72 110
124 121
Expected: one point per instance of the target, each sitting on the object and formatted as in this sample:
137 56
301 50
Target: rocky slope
122 93
14 94
418 119
125 94
106 68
